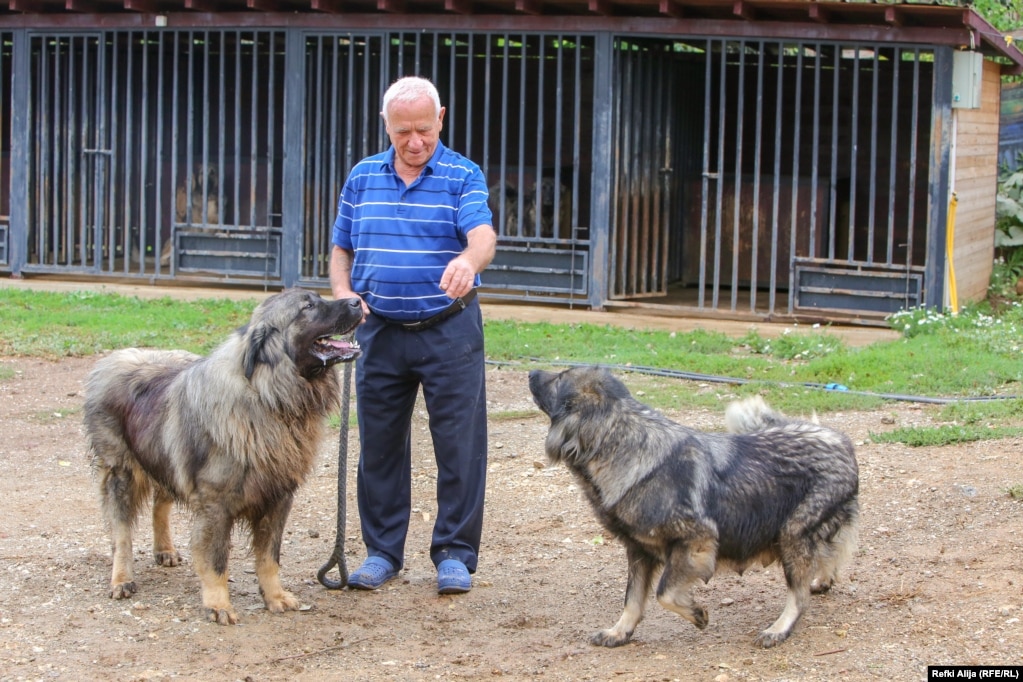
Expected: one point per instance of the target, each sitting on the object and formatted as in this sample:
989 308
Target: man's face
414 130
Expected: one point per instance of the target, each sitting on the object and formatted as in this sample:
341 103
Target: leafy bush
1002 14
1008 268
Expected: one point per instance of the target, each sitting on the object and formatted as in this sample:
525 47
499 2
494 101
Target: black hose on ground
711 378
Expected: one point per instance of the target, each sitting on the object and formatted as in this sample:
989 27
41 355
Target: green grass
54 416
945 434
513 415
986 412
791 369
334 421
970 355
54 325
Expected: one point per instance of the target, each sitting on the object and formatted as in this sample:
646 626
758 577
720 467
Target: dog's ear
258 336
586 392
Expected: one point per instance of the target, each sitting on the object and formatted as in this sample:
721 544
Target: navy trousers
447 361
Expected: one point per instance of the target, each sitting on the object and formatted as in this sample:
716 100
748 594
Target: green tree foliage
1005 15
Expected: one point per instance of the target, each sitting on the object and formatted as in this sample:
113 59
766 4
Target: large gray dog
231 436
688 503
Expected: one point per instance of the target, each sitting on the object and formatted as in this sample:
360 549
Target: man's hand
341 277
460 274
458 277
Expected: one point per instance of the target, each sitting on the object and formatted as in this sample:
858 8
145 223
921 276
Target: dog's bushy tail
752 414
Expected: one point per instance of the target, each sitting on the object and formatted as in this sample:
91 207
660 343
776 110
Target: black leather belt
457 306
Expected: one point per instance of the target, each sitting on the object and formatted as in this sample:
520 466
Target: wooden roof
921 22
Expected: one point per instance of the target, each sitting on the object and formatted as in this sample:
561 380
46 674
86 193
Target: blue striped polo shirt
404 237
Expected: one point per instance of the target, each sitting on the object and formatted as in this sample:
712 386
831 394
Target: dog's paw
700 617
225 616
610 638
819 586
167 558
282 601
122 590
768 639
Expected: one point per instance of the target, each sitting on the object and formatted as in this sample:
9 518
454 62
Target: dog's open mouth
335 348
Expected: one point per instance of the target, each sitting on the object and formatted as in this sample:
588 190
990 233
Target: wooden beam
602 7
87 6
264 5
201 5
392 6
331 6
143 6
892 16
529 6
28 6
743 10
818 14
670 8
458 6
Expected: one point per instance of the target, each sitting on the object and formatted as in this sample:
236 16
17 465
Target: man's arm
460 275
341 275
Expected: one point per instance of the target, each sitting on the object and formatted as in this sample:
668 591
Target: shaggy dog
203 183
194 212
231 436
687 503
541 199
505 196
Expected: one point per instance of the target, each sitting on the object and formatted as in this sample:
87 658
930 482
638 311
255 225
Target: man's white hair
410 89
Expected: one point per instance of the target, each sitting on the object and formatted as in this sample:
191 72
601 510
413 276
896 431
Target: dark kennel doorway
518 104
771 177
155 153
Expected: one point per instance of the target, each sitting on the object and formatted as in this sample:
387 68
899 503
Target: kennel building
752 159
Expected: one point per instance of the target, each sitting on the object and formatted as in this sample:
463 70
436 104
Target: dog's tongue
339 344
330 349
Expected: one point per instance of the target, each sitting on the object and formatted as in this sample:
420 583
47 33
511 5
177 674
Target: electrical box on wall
967 72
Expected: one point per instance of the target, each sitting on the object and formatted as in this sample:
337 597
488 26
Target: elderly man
412 233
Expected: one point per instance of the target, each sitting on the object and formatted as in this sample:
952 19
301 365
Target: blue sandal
374 572
453 577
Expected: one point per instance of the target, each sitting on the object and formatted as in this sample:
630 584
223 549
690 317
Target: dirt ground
938 578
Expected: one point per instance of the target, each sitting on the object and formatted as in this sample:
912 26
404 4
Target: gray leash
337 558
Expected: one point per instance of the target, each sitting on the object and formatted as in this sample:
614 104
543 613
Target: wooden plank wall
976 184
